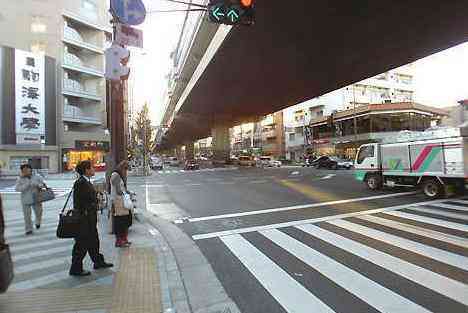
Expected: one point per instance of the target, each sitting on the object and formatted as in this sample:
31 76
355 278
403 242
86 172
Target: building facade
74 33
343 133
390 87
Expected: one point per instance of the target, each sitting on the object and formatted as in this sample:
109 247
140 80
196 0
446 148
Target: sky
440 80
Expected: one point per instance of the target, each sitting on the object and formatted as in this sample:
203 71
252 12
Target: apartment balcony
74 88
74 114
72 37
72 62
269 134
87 20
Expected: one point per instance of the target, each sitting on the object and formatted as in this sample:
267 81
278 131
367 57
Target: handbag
6 267
45 194
69 225
127 201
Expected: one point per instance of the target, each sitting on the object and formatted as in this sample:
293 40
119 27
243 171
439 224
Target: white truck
435 160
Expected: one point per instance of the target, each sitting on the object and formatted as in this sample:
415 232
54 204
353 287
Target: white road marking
448 287
258 182
429 233
298 207
328 176
442 213
451 206
301 222
430 220
364 288
428 251
282 287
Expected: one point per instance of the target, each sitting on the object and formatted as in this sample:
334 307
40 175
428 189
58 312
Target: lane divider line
299 207
307 221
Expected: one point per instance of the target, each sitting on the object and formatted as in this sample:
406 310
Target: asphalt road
303 240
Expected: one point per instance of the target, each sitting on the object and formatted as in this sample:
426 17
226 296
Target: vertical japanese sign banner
29 95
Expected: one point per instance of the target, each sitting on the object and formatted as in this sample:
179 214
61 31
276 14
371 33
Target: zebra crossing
204 170
59 191
43 261
412 259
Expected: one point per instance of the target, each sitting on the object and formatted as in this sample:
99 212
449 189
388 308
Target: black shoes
28 233
80 274
38 226
103 265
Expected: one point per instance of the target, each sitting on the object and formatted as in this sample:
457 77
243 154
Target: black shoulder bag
70 222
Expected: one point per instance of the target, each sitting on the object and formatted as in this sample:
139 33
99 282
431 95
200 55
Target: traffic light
116 63
231 12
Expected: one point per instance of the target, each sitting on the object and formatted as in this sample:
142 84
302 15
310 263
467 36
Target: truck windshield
365 152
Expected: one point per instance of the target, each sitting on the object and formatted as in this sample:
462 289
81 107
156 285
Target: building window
292 137
90 8
38 47
38 25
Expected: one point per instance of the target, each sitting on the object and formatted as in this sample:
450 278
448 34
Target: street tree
144 137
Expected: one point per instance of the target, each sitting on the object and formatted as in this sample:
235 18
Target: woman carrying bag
85 205
121 207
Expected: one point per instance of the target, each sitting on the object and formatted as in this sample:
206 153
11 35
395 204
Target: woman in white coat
121 216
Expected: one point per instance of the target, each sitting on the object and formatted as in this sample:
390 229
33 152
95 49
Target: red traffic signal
246 3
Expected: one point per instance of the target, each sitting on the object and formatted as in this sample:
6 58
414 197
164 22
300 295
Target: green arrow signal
233 15
217 13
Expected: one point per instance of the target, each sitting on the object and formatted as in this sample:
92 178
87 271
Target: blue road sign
130 12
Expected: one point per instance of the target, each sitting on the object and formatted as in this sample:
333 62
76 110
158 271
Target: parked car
173 161
342 163
308 162
156 164
191 165
325 162
269 162
246 161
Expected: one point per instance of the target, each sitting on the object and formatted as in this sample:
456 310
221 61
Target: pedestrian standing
121 216
85 204
29 184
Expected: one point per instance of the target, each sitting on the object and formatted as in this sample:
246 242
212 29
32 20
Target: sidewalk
42 261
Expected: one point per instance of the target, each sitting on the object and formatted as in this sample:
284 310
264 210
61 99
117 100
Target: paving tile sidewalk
42 261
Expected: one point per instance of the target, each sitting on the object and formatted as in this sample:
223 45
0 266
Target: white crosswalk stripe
59 191
203 170
435 261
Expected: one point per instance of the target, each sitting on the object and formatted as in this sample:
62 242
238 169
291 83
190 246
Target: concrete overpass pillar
221 144
178 152
189 150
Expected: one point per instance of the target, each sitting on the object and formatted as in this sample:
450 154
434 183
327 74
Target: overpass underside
298 50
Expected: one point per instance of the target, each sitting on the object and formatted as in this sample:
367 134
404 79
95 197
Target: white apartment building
74 33
389 87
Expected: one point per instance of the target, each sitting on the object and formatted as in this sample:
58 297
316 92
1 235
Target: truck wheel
432 188
374 182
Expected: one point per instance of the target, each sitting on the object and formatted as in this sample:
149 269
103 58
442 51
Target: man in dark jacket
85 204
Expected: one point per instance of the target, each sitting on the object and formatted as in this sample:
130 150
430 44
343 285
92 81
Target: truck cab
367 165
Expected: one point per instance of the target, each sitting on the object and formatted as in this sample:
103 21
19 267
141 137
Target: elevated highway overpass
298 50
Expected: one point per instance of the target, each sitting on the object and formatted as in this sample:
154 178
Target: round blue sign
130 12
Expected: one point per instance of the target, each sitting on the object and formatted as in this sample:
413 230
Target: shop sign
28 139
29 96
92 145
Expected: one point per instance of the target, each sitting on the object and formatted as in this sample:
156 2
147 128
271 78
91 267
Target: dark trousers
86 243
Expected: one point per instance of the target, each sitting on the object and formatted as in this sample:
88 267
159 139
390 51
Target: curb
184 271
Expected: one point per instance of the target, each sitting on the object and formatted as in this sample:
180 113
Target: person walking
85 204
29 184
121 216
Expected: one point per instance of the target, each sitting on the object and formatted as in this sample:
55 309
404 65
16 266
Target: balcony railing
73 37
75 88
75 114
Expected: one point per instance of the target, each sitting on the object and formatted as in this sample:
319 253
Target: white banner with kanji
29 93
